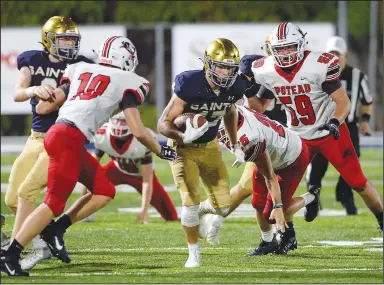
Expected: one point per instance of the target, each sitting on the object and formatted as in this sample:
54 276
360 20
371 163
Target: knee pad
222 211
55 203
190 216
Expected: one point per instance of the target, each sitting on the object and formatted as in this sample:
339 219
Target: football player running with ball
94 93
307 83
212 93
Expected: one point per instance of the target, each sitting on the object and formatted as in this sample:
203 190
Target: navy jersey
192 87
275 110
44 72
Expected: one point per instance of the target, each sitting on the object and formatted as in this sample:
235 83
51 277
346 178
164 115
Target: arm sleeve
333 69
65 87
331 86
146 160
129 100
365 94
265 93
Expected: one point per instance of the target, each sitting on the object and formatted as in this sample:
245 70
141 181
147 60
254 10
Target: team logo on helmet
129 47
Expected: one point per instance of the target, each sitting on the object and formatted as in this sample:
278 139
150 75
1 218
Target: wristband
30 91
276 206
334 121
365 117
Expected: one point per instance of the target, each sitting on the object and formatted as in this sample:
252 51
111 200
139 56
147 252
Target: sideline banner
17 40
190 40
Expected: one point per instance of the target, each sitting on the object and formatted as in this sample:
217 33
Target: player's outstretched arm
343 104
147 188
259 104
165 124
58 98
230 122
138 129
264 165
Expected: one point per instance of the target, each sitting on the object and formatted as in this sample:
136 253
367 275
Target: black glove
167 153
333 127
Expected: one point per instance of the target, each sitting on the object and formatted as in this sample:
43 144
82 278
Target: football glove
191 133
239 154
167 153
333 127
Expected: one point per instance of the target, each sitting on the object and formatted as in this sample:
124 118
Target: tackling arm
230 122
59 96
147 188
165 124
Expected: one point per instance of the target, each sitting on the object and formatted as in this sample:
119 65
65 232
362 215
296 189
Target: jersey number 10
90 89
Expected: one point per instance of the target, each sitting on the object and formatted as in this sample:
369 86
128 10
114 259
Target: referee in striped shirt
356 85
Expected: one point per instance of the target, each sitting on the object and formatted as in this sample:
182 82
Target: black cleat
265 247
350 207
10 265
288 242
55 241
312 209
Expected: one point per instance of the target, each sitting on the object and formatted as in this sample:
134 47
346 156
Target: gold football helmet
224 53
265 47
59 27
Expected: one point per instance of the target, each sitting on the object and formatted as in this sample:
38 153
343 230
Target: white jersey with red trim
257 132
96 92
307 105
127 156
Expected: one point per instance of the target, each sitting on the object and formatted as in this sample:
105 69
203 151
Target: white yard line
201 269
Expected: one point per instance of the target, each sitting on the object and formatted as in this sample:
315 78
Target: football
197 121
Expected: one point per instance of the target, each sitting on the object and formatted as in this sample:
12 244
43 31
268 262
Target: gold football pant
246 178
203 161
29 172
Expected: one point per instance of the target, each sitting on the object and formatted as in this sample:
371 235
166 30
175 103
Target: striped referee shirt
355 83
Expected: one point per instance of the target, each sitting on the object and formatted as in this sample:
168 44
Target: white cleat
213 237
205 225
194 257
34 257
89 219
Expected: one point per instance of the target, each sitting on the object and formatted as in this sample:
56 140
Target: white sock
192 247
308 198
206 207
267 236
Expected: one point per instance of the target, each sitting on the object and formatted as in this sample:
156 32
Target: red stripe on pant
289 179
342 155
160 198
69 163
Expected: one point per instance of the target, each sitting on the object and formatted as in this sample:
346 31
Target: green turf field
116 249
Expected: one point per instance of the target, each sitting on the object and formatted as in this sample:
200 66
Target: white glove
191 133
239 154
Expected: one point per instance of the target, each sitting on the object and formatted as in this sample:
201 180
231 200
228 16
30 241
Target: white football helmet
287 44
118 126
119 52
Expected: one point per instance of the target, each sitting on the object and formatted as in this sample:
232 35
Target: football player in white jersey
281 159
94 92
131 164
307 83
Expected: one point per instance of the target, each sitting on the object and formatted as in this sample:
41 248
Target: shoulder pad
102 130
25 58
246 63
258 63
186 80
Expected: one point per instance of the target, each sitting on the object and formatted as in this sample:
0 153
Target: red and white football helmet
119 52
287 44
118 126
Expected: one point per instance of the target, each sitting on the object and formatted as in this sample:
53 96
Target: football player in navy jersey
243 189
40 73
211 92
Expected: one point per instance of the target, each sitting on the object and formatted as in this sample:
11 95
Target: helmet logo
130 48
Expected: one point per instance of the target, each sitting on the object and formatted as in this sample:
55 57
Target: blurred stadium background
170 36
